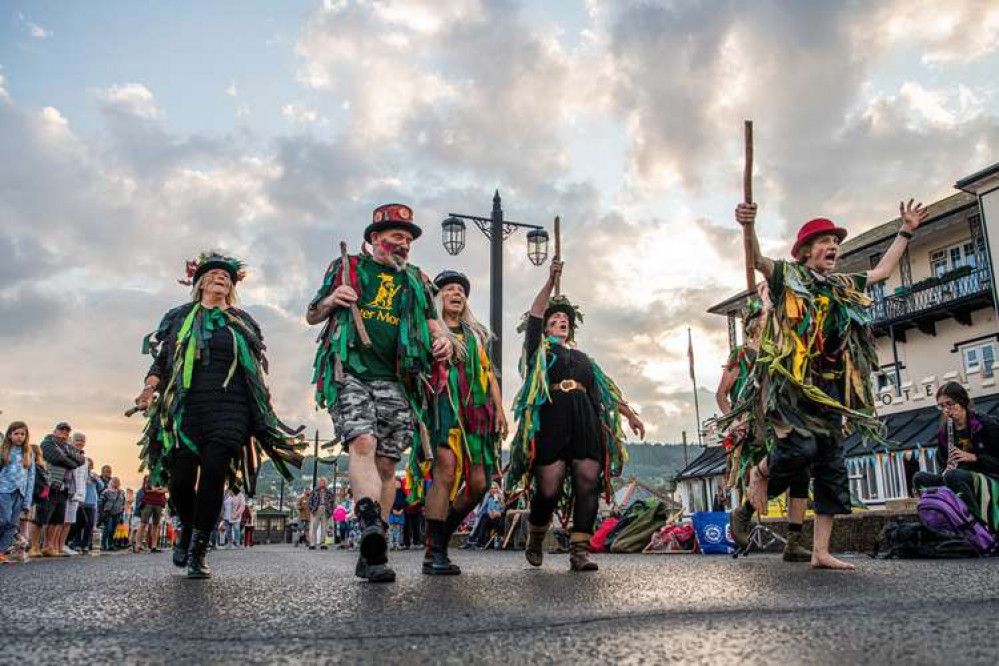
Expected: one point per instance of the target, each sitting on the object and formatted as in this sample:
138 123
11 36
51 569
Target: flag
690 355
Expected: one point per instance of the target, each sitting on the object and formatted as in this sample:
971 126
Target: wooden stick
355 313
558 253
747 197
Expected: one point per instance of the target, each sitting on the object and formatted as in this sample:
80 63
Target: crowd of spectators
53 504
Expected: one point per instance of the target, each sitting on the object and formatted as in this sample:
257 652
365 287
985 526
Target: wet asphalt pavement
278 604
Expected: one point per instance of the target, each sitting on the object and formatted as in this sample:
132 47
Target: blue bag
713 533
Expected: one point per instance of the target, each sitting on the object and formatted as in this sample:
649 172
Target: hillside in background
654 464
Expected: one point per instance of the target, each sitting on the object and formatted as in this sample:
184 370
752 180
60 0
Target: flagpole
693 378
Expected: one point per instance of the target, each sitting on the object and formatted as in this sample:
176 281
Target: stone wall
855 533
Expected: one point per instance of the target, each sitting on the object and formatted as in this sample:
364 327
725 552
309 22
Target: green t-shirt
379 303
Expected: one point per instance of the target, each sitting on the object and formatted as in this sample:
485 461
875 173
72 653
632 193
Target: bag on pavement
906 541
636 536
714 534
943 512
598 542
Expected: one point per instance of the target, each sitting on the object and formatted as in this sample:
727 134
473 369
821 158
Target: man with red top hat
377 394
813 374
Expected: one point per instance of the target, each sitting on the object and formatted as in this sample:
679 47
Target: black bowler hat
445 278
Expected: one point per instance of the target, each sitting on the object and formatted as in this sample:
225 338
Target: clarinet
951 463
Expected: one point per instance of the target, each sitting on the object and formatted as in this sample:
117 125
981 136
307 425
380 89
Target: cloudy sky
135 134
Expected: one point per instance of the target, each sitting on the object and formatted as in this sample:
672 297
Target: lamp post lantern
496 229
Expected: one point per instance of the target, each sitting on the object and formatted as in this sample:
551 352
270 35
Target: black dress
217 415
569 423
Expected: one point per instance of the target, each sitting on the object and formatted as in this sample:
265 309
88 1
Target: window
980 358
955 256
886 379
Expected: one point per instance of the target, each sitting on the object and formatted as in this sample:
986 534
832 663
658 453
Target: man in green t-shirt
375 394
816 358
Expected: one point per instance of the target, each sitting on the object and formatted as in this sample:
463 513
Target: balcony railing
932 294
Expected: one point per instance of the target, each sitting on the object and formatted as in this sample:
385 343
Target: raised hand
912 216
745 213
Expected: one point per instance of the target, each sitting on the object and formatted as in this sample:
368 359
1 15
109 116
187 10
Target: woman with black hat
468 427
213 416
569 420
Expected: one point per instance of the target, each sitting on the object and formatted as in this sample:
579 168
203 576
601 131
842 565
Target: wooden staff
558 253
747 197
355 313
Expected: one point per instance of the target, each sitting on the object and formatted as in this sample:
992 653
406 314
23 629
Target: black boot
181 546
197 566
439 564
374 545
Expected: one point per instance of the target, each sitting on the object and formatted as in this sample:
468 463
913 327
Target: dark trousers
110 525
484 529
797 457
197 485
83 528
960 481
412 534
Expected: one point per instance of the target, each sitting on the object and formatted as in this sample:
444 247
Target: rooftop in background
987 172
936 211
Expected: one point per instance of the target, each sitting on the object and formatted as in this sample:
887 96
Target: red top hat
392 216
813 228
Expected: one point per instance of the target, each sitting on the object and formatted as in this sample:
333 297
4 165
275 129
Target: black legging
201 507
548 484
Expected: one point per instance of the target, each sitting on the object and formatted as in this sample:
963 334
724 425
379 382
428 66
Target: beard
390 254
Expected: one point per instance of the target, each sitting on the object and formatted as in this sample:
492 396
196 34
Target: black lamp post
496 229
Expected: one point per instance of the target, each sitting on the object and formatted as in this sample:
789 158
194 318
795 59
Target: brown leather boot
534 551
795 550
579 552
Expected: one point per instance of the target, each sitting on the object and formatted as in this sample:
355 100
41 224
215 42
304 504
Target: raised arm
745 214
912 217
724 386
541 300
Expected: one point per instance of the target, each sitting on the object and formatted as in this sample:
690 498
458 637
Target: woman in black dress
213 418
569 415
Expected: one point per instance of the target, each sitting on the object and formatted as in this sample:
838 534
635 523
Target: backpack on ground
943 512
907 541
636 536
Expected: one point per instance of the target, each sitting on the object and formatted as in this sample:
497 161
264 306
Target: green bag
636 536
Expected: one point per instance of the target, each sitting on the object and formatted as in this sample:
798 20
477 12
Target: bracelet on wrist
905 233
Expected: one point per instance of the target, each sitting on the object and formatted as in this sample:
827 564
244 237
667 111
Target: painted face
19 437
392 246
558 325
823 253
216 282
453 299
951 409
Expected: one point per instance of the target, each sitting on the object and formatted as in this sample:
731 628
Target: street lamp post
496 229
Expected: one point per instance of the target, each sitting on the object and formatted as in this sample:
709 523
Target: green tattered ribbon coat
806 314
181 338
339 342
527 407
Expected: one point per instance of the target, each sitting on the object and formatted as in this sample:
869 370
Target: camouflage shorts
376 408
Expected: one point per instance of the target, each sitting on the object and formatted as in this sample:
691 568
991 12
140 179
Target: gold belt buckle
567 385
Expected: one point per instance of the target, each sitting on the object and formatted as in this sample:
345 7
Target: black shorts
52 511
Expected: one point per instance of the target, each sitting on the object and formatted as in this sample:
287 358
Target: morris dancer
741 440
214 415
469 427
815 360
378 395
568 414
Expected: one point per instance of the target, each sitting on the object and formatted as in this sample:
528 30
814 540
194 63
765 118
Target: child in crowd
17 481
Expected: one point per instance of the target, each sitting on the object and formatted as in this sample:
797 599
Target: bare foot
827 561
757 491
